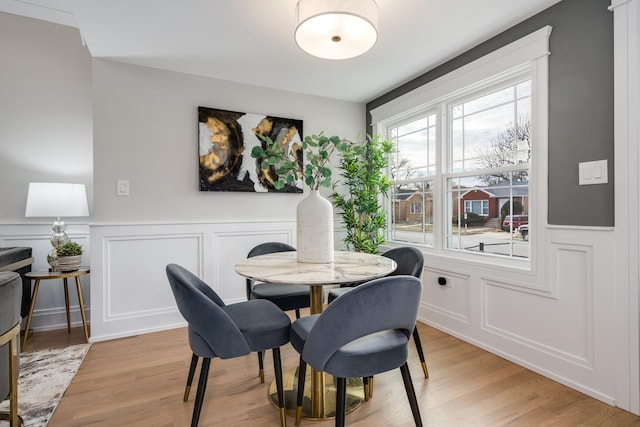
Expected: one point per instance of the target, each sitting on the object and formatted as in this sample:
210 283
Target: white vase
315 229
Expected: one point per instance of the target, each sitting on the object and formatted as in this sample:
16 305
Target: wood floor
139 381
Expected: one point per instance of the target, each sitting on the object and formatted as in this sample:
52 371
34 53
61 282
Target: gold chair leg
5 416
370 387
13 367
298 414
11 338
283 418
425 370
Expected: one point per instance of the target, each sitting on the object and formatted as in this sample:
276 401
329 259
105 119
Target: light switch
597 172
593 172
122 187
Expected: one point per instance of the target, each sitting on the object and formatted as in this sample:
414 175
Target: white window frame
412 211
528 54
484 206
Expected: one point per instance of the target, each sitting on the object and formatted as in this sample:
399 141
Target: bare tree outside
400 169
510 147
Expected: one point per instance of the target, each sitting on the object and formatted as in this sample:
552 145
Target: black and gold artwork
225 142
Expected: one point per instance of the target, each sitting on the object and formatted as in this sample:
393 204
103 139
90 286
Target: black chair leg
341 396
277 368
416 339
192 371
302 371
202 386
411 394
365 386
261 366
297 313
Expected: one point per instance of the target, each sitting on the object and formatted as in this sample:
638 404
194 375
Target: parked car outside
523 230
508 224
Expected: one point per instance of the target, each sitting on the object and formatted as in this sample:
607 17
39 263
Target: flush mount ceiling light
336 29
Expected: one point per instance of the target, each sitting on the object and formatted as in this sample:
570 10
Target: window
465 150
485 138
479 207
489 153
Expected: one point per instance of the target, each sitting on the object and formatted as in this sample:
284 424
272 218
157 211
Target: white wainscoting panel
560 326
131 293
136 283
558 322
451 300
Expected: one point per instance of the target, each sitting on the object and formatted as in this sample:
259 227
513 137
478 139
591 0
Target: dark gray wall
580 103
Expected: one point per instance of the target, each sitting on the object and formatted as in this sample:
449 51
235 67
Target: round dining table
347 268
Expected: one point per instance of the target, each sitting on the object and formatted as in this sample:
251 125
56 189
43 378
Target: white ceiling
251 41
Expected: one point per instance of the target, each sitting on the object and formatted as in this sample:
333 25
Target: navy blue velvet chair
287 297
410 262
226 331
363 333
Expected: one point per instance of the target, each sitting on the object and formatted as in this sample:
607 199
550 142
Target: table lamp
51 199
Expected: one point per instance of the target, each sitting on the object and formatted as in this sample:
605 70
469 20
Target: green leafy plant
317 151
471 219
69 248
514 207
364 179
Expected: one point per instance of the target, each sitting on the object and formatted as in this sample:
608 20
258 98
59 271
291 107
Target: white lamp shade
336 29
49 199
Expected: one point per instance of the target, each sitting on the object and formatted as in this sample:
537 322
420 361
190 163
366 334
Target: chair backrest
409 259
269 248
263 249
10 300
212 333
379 305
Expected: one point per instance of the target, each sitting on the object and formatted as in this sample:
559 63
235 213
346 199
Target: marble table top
283 267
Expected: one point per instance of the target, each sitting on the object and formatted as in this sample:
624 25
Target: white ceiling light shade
336 29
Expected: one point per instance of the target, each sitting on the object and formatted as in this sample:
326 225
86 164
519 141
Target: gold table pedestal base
323 410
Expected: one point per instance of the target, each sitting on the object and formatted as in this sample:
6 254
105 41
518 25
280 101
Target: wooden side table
47 275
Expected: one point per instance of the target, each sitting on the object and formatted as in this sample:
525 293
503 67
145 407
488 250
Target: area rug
44 377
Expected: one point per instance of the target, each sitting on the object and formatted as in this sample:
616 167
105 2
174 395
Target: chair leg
277 367
297 313
365 385
261 366
302 371
192 371
202 386
411 394
341 397
5 416
416 340
12 346
370 387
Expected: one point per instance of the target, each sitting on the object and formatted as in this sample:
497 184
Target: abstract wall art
225 142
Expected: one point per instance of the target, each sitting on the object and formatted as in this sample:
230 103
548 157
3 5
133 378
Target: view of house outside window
412 164
470 170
